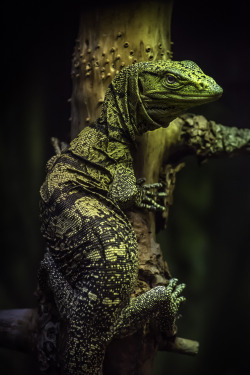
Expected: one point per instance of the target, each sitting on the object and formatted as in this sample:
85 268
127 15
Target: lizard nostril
202 86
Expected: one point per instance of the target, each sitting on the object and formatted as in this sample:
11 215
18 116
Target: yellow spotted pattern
91 264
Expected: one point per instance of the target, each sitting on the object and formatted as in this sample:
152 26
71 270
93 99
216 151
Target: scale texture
91 264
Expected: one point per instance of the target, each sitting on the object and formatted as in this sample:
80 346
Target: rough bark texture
112 36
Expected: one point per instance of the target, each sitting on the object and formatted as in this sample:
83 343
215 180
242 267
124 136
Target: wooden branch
208 139
187 134
18 331
181 346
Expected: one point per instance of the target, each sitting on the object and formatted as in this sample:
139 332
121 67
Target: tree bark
112 36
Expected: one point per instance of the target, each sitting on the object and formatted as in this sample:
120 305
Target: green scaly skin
91 265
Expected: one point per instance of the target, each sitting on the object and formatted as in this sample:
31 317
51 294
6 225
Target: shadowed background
207 241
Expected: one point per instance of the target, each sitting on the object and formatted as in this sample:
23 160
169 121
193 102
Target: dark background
207 241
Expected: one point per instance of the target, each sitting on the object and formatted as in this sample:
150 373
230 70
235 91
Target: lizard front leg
160 303
127 192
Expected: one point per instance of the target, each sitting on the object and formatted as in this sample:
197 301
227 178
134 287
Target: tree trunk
111 37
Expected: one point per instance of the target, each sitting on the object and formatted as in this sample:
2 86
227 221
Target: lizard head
149 95
169 88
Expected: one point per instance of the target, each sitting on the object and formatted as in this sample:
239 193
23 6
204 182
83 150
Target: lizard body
91 265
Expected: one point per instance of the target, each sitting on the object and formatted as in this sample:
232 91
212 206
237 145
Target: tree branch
207 139
18 331
181 346
18 328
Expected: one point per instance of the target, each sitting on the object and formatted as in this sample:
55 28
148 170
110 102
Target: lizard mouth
196 97
158 98
175 104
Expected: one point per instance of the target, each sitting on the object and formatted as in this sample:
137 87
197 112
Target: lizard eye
170 79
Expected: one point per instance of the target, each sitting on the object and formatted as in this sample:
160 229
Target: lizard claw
146 195
173 302
175 291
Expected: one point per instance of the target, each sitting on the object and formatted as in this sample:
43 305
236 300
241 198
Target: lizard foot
173 300
147 195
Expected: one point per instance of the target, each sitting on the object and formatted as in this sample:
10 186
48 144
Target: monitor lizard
91 264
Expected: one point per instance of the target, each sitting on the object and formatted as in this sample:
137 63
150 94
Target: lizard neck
123 114
116 120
